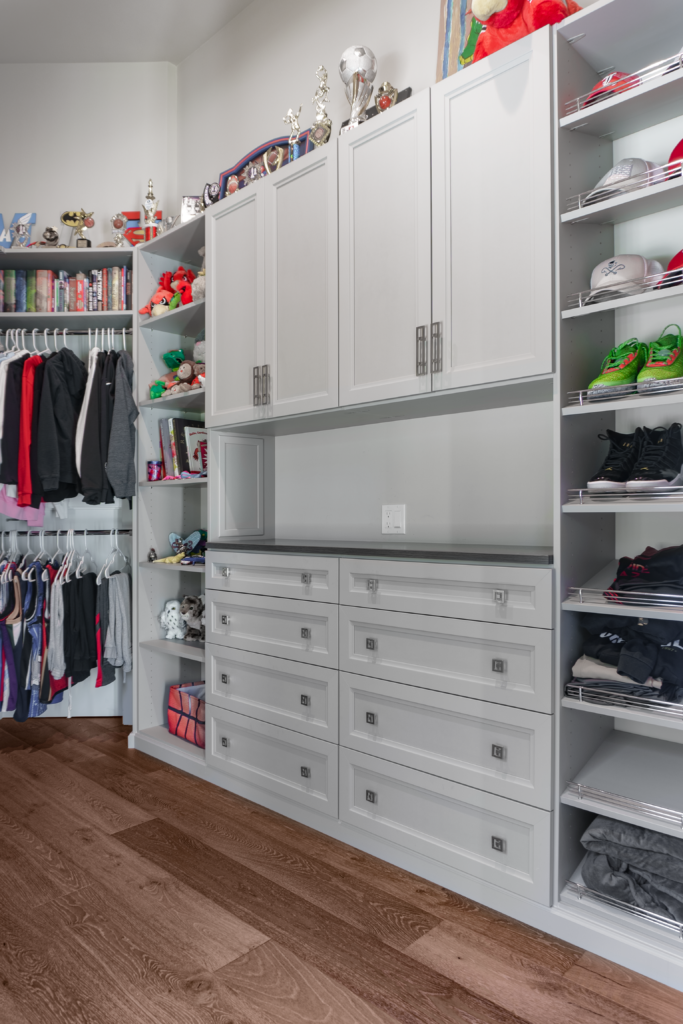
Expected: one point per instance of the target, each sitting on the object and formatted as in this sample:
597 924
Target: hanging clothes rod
77 533
40 330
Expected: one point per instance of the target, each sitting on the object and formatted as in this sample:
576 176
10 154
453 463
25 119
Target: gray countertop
496 554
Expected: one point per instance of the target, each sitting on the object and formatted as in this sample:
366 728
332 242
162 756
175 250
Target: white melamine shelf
627 714
172 565
635 402
641 203
193 482
178 648
71 321
49 258
594 602
189 400
180 243
185 320
629 300
158 742
635 779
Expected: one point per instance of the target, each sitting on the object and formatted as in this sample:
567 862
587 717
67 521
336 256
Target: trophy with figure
357 69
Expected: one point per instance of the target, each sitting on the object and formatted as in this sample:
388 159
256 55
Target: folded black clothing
652 571
639 648
607 635
635 865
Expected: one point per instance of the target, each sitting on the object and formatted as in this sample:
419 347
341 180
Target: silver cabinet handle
225 678
305 772
500 596
306 632
373 586
421 351
370 644
305 700
256 385
225 741
265 384
225 572
306 578
370 796
499 665
225 620
437 347
498 844
371 717
500 752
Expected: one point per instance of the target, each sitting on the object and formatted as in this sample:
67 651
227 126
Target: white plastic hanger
118 551
85 560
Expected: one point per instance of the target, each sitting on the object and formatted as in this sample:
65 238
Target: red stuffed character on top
505 21
182 282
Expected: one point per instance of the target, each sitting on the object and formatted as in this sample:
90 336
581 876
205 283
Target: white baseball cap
629 173
622 275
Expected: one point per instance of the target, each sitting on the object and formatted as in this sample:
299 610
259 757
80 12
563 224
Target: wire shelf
641 598
583 496
583 892
614 392
617 802
647 74
608 698
651 283
647 179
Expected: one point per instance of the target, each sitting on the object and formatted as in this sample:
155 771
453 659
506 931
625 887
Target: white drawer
299 697
499 749
300 768
496 840
301 630
296 576
506 664
516 596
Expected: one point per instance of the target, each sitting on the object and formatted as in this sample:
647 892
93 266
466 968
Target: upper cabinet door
492 216
301 284
384 254
234 306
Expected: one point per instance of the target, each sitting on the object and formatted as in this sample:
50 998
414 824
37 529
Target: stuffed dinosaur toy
164 298
506 21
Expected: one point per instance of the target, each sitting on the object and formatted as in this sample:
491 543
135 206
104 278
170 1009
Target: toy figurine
508 20
151 555
192 611
172 621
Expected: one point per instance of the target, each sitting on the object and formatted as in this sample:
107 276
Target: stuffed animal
192 611
181 282
172 621
162 300
199 283
199 349
505 21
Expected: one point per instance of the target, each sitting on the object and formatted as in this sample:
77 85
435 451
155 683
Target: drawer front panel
496 840
295 576
297 767
517 596
505 751
505 664
300 630
299 697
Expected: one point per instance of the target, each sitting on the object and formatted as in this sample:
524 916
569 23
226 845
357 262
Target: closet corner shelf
661 717
189 400
176 566
159 742
187 320
589 598
178 648
633 778
656 295
656 100
193 482
71 321
180 243
641 203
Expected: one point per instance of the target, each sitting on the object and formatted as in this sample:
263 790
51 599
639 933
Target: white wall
86 135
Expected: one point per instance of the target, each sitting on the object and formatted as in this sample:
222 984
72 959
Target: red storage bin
186 713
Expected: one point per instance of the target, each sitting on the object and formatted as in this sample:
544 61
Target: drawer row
503 750
505 594
490 661
492 838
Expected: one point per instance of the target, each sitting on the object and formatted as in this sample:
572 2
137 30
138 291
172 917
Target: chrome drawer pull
225 572
499 665
306 578
370 644
224 741
500 596
305 700
256 385
225 619
373 586
500 752
305 772
437 347
499 845
421 351
371 718
265 384
225 679
305 633
370 796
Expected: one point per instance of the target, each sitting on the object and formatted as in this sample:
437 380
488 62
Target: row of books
44 291
183 446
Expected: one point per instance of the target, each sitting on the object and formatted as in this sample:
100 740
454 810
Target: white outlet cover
393 519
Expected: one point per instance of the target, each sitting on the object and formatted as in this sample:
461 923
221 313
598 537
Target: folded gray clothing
635 865
591 668
609 692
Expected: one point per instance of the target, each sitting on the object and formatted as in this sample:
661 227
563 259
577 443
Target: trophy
149 212
272 160
212 193
51 238
118 223
79 221
386 96
357 69
292 120
322 129
190 208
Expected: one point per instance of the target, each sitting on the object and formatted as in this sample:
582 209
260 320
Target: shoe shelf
632 778
175 566
188 400
185 320
632 709
647 290
575 890
638 197
658 98
664 499
193 651
624 396
591 598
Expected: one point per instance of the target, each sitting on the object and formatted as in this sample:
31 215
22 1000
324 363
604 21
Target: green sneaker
621 366
664 359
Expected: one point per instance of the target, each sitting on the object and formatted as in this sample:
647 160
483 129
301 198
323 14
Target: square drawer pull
370 644
305 700
371 717
225 678
370 796
306 578
500 596
373 586
305 772
224 741
224 620
305 633
225 571
498 844
499 665
500 752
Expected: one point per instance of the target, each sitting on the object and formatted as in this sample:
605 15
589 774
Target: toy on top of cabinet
506 21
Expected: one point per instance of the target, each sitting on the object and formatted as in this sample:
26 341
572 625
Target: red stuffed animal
505 21
182 282
162 298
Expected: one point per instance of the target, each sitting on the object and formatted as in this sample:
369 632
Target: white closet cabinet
234 305
301 285
384 254
492 216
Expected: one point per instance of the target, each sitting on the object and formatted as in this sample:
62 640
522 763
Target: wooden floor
131 893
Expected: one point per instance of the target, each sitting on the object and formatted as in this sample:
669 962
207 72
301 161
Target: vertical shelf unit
624 762
178 506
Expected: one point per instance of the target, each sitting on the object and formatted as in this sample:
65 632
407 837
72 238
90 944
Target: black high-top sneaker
622 456
660 461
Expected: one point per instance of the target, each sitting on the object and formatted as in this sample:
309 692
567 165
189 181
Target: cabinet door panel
384 253
492 216
235 315
301 284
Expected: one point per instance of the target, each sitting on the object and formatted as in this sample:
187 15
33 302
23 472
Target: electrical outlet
393 519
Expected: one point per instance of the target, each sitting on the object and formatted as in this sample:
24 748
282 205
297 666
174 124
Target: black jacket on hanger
92 469
9 469
60 404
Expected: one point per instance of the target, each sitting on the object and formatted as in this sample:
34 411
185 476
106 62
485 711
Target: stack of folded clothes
635 865
650 572
629 657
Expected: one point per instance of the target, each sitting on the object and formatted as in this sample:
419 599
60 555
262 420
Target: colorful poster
458 33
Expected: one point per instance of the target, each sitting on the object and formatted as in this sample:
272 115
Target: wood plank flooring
133 893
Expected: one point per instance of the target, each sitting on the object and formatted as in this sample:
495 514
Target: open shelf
589 598
176 566
196 481
631 709
46 257
626 396
180 243
189 400
193 651
632 778
158 742
641 203
185 320
654 295
664 499
71 321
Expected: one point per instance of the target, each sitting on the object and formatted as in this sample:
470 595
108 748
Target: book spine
73 300
100 305
2 291
115 293
129 290
50 291
41 291
80 295
30 291
181 445
174 447
107 278
10 291
20 293
165 447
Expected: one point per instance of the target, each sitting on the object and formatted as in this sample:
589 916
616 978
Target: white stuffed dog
172 621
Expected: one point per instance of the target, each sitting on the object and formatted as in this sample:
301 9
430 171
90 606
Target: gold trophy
322 129
79 221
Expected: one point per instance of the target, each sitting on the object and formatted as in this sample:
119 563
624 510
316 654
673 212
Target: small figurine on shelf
151 555
192 611
172 621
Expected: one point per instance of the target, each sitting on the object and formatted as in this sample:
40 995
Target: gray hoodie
121 457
